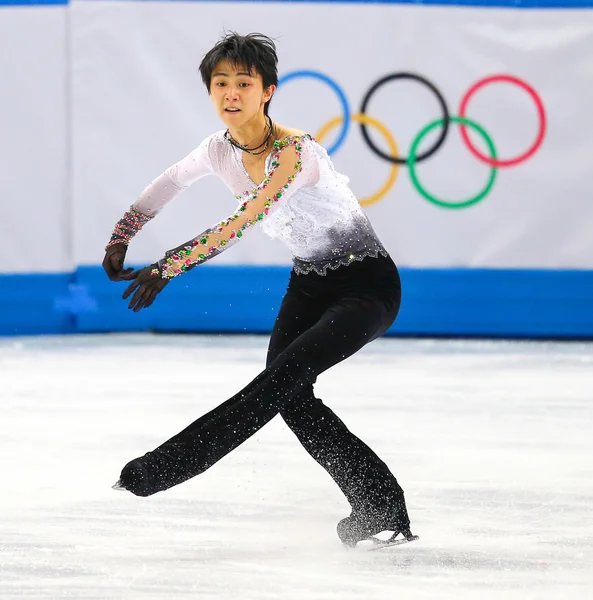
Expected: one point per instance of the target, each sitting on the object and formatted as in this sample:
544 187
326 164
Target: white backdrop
136 104
35 217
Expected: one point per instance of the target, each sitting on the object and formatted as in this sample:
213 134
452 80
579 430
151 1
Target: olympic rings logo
414 157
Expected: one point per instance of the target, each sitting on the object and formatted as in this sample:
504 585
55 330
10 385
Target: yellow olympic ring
366 120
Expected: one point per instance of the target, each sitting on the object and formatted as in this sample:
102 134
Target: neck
253 133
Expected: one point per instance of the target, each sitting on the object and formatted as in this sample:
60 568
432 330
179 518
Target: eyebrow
221 74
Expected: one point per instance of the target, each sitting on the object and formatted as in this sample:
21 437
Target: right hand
113 263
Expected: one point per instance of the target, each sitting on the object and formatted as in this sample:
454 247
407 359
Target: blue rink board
521 4
245 299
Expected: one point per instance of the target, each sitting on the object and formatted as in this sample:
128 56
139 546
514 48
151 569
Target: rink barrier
499 303
519 4
33 2
31 304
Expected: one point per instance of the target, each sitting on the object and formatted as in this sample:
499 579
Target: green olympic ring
412 163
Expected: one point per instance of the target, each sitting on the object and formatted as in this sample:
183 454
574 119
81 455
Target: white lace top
315 213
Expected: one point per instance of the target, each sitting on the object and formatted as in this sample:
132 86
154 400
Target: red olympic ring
493 162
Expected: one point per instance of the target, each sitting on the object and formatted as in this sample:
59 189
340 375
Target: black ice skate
359 527
134 478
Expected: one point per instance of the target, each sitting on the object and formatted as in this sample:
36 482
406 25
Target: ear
268 93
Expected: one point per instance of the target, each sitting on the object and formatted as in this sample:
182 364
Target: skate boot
134 478
361 526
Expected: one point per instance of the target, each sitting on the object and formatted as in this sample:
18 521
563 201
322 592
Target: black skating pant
322 321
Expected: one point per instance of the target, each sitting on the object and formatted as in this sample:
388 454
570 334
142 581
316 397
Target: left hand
145 288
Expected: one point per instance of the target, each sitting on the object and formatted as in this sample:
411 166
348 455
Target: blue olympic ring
337 89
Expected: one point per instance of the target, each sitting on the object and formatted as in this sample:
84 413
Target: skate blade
378 544
119 486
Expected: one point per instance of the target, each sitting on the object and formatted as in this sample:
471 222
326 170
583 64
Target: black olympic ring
444 130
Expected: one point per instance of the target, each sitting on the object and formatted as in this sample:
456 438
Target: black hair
254 51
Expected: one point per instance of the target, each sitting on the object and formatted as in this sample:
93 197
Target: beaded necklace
254 150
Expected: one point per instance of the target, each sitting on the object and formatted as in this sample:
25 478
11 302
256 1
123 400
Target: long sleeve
174 180
289 171
160 192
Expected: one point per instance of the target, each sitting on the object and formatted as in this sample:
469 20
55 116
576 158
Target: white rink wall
103 96
35 199
139 105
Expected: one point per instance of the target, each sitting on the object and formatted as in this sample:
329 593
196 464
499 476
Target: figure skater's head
241 75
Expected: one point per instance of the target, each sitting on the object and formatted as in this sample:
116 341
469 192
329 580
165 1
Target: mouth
232 110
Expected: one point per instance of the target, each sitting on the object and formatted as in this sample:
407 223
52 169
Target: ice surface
492 441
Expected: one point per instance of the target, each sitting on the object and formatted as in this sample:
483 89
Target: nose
232 92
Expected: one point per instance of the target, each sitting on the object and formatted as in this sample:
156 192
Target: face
238 96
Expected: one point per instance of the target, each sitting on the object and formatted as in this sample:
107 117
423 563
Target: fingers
143 289
136 303
139 299
109 270
142 275
150 299
121 276
131 288
141 282
127 275
113 265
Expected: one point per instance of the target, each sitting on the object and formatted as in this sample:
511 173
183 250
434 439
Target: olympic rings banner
466 133
415 157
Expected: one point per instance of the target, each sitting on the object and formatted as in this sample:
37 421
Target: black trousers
322 321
